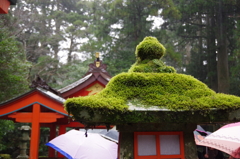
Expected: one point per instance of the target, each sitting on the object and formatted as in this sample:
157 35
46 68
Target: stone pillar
190 146
24 141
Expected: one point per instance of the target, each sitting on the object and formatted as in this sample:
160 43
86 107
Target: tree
6 126
118 26
14 71
234 63
14 67
209 25
44 30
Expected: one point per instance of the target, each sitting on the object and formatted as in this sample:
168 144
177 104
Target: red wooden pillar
35 132
51 151
62 130
4 5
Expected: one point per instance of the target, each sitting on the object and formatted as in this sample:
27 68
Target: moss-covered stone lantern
154 108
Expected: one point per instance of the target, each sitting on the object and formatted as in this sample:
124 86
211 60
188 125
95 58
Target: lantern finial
98 61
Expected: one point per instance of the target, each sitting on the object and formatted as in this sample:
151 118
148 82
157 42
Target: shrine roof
84 79
107 77
23 103
75 84
51 95
96 73
42 91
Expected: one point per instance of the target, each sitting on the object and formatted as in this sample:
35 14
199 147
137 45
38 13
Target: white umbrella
226 139
110 134
75 145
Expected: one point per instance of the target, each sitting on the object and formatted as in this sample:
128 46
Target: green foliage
64 74
48 26
234 63
202 24
5 156
6 126
70 72
10 137
43 149
118 26
13 67
45 68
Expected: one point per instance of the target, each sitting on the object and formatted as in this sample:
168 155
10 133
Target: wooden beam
49 117
23 117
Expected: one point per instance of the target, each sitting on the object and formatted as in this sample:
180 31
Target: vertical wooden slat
51 151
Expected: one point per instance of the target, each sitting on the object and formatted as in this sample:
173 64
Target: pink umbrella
226 139
75 145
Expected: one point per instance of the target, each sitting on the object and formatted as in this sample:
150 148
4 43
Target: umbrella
226 139
200 134
110 134
75 145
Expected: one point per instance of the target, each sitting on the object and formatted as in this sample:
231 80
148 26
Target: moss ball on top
150 48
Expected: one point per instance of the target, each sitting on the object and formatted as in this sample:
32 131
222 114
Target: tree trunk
211 51
69 57
222 63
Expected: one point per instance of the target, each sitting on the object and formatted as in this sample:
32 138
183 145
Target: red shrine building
5 4
43 106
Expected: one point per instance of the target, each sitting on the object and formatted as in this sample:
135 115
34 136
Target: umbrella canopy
75 145
110 134
200 134
226 139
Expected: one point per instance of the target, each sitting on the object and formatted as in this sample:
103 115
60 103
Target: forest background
57 39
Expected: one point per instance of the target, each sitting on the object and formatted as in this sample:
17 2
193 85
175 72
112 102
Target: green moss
149 82
150 48
148 54
172 91
152 66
